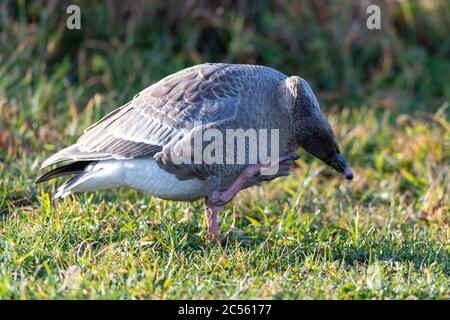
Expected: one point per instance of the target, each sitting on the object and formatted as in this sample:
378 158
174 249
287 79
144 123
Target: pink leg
220 198
211 220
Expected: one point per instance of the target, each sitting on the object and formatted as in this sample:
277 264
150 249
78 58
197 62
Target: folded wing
170 108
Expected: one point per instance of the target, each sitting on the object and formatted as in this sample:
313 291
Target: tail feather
65 189
60 156
89 176
95 176
71 168
74 154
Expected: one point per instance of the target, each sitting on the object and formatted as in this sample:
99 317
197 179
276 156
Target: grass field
312 235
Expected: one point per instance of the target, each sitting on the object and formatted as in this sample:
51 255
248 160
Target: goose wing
161 112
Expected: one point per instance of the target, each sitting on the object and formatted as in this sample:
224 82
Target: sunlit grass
310 235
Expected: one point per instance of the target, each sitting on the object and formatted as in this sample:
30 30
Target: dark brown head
312 131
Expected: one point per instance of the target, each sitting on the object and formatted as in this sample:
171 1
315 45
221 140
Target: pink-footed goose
135 144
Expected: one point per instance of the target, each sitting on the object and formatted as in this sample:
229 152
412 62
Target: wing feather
159 113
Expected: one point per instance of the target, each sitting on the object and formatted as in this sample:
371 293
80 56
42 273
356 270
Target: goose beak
340 165
348 173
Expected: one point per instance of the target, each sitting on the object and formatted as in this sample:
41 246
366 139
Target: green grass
384 235
310 235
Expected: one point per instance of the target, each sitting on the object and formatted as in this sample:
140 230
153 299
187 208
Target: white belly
142 174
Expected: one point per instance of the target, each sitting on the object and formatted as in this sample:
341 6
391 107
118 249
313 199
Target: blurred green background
124 46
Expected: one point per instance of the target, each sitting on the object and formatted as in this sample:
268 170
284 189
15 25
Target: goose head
311 129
